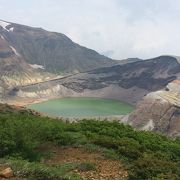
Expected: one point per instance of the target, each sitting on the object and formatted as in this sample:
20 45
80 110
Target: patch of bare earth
2 168
105 169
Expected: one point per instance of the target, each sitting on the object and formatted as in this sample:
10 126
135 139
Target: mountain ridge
55 51
129 76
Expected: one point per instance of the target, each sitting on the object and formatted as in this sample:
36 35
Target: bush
148 168
25 169
105 141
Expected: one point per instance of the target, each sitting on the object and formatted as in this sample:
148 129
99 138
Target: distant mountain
55 52
108 53
129 60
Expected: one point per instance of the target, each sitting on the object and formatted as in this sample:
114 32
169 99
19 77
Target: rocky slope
128 82
159 111
54 52
14 71
31 55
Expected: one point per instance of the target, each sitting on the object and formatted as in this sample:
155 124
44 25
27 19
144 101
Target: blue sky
120 28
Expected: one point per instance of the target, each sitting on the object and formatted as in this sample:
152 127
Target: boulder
7 173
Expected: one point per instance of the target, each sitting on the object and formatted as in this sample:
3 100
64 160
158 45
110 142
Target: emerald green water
82 107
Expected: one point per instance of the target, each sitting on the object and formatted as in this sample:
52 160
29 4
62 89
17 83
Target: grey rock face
55 51
159 111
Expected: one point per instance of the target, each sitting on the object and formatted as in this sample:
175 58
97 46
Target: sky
117 28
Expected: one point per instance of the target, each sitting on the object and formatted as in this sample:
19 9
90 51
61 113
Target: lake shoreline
101 109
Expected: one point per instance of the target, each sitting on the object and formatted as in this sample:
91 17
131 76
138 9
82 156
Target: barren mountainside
14 70
31 55
54 51
128 82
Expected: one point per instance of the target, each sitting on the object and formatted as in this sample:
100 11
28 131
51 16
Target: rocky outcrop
14 70
6 173
159 111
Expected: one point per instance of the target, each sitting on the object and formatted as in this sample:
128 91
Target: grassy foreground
146 155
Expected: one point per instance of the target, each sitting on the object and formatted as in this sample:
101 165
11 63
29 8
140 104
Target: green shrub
86 166
25 169
105 141
148 167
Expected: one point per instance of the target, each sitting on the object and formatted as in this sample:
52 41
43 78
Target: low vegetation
146 155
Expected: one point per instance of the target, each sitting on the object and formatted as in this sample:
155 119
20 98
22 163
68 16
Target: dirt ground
105 169
3 167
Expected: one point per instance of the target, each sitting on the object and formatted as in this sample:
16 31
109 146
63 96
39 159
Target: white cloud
129 28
